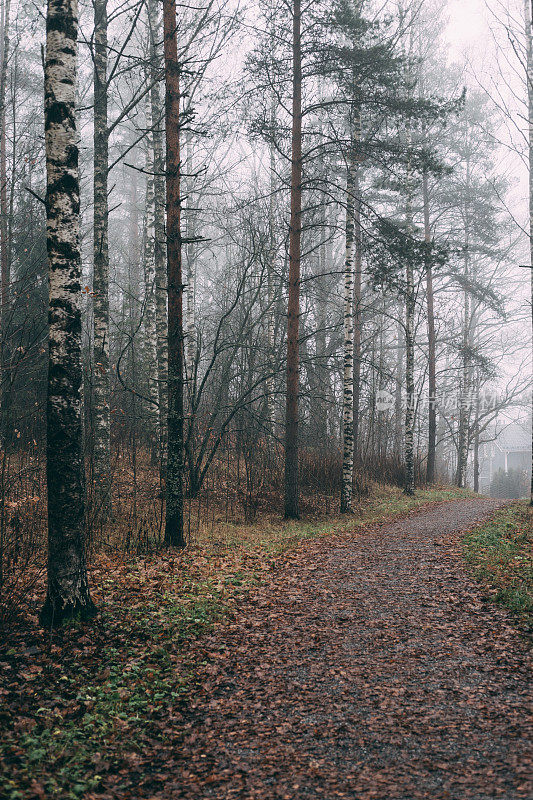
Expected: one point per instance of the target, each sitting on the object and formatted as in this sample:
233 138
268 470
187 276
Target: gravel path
370 667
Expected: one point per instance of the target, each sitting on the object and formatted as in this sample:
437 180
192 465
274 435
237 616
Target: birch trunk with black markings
68 591
150 326
101 367
409 486
347 404
159 222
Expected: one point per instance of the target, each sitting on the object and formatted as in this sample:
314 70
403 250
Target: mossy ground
500 555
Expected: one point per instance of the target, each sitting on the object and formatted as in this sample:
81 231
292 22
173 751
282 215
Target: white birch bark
101 373
465 398
349 282
409 487
68 592
156 71
190 292
150 316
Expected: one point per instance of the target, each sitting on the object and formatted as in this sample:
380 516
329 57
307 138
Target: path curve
369 668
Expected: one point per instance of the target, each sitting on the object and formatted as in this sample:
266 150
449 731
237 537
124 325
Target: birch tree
160 261
409 486
348 405
150 315
101 373
68 591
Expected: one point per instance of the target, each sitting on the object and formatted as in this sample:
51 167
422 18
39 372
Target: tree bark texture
528 20
174 535
159 223
5 265
68 591
101 374
347 401
465 396
150 316
191 343
432 413
271 272
291 420
358 316
409 487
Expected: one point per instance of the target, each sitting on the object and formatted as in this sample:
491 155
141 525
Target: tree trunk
432 413
101 374
291 424
409 487
271 272
150 327
322 408
68 591
400 334
174 535
529 78
190 350
476 444
347 405
5 266
358 317
464 400
159 226
462 450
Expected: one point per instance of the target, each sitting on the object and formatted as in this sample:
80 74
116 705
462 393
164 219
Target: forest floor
364 662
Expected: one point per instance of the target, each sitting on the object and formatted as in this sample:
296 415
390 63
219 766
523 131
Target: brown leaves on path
369 667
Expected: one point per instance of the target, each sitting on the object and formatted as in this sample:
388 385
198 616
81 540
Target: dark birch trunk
291 423
271 272
68 591
322 408
174 535
101 374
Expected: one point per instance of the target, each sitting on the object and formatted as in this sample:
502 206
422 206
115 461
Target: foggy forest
266 492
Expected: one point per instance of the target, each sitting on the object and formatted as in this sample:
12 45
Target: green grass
272 535
500 555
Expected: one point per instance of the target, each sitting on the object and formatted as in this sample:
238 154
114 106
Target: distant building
510 449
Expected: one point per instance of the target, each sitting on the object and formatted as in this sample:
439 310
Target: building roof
514 438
